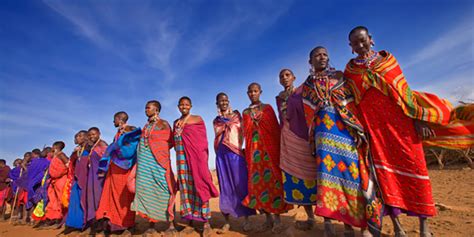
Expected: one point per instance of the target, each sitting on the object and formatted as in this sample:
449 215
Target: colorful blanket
197 154
122 152
387 76
229 132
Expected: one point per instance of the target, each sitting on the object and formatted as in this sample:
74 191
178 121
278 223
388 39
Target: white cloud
460 35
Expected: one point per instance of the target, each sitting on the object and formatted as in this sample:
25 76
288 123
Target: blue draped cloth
75 216
14 175
31 180
122 152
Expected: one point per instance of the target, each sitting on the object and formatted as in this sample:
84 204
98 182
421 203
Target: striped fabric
191 206
465 112
458 134
152 192
386 75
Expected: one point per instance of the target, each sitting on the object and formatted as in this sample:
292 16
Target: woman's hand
423 130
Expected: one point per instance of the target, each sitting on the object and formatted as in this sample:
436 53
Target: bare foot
366 233
150 232
188 230
224 229
207 232
126 233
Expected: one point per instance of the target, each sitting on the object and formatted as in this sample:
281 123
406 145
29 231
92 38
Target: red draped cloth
116 198
58 171
262 152
396 149
197 155
4 188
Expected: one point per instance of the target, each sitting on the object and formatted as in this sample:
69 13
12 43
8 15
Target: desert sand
452 189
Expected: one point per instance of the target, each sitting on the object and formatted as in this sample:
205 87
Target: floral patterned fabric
339 195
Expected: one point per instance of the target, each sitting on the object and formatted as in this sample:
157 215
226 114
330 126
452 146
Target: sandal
207 231
224 229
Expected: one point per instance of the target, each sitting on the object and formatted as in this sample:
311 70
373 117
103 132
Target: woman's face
319 59
150 110
223 103
361 42
81 138
286 78
254 93
93 135
184 107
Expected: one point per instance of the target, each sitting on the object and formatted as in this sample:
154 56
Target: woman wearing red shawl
230 163
194 177
393 116
116 165
58 170
262 151
155 184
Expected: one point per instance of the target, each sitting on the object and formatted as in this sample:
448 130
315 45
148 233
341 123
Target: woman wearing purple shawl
194 178
231 164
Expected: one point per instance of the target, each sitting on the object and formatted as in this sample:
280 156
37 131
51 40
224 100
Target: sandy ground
452 189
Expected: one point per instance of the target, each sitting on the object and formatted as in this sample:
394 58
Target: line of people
347 146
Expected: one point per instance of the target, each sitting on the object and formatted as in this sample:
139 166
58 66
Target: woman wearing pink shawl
230 163
194 178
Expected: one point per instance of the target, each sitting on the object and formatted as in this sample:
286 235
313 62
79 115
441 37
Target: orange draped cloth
58 171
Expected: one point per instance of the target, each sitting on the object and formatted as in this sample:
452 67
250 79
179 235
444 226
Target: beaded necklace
148 130
229 111
322 84
284 95
366 61
79 153
255 110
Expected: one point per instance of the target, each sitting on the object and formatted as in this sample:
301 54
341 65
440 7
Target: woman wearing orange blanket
262 151
394 116
58 170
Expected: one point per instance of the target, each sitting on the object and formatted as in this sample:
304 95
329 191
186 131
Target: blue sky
70 65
